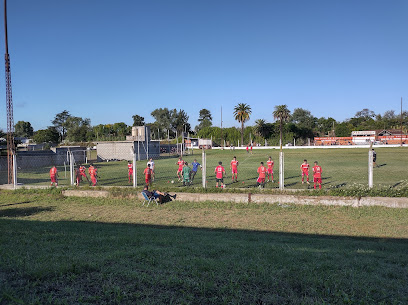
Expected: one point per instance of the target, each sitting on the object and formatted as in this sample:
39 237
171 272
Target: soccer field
342 168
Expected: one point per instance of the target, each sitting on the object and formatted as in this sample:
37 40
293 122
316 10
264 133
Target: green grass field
342 168
56 250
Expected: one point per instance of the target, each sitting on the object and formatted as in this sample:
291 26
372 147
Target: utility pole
9 102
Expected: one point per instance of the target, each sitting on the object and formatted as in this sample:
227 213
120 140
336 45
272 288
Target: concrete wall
266 198
43 158
122 150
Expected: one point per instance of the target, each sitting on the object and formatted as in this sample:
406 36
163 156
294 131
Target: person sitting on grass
162 197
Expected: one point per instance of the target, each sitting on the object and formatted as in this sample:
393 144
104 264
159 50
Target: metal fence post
281 171
14 170
71 167
134 168
370 169
204 172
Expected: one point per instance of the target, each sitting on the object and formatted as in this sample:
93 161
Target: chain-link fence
341 167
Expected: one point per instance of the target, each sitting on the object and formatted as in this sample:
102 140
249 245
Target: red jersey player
270 164
219 174
93 173
54 176
180 164
82 172
305 171
234 169
262 173
148 174
130 171
317 175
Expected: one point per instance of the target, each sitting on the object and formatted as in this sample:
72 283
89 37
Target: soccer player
374 158
54 176
234 169
186 174
78 176
82 172
219 174
180 164
261 178
317 175
93 173
270 164
195 165
148 174
130 171
152 166
305 171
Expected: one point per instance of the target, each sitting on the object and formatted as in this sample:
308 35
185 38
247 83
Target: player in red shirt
262 173
93 173
305 171
54 176
317 175
148 174
219 174
82 172
180 164
234 169
130 171
270 164
78 176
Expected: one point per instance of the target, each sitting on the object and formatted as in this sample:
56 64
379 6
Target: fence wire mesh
342 168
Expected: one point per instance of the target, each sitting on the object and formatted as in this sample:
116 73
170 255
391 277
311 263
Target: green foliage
138 120
49 135
23 129
204 119
242 114
60 123
78 129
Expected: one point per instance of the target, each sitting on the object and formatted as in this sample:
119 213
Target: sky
109 60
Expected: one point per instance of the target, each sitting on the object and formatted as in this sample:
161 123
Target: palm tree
281 113
241 114
260 128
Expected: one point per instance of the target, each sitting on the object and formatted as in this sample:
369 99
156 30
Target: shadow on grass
134 263
22 212
16 203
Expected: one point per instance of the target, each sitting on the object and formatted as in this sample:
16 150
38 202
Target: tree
242 112
23 129
262 129
60 123
78 129
120 129
303 118
49 135
179 121
324 126
163 118
281 113
204 119
138 120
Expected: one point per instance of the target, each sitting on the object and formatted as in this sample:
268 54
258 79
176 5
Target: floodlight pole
9 102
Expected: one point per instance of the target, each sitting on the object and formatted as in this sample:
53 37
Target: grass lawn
342 168
56 250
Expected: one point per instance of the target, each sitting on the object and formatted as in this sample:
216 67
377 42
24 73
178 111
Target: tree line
170 123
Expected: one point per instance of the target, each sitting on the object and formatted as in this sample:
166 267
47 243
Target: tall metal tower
9 102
